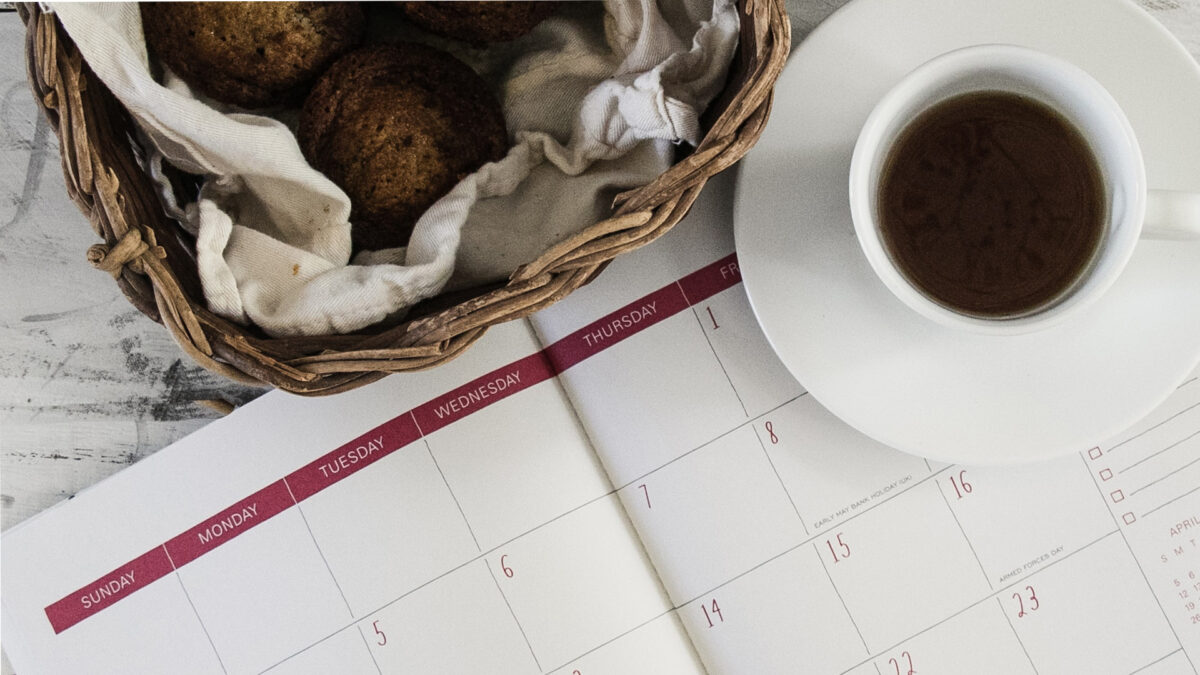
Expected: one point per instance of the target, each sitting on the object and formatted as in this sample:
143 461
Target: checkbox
1095 453
1105 474
1117 496
1128 518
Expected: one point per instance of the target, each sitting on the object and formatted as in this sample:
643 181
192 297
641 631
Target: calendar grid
395 438
958 523
324 560
517 621
717 356
707 443
812 539
453 496
972 605
613 639
1157 661
775 470
833 584
482 557
405 428
1024 649
367 646
199 620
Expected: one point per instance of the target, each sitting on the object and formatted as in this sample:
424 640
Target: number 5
382 637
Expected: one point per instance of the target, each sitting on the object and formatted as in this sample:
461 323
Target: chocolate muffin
251 54
396 127
478 22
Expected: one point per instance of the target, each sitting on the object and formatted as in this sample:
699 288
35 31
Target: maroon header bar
482 392
711 279
612 328
391 436
354 456
137 573
245 514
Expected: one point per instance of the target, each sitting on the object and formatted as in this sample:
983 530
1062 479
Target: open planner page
789 542
453 521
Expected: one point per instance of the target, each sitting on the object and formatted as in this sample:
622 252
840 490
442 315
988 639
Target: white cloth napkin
593 102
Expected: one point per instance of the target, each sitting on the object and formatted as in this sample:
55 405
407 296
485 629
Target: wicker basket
154 265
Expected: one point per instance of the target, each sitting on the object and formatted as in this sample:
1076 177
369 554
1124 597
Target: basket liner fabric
593 101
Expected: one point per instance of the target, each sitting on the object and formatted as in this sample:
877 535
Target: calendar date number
712 613
962 487
1026 601
839 550
902 664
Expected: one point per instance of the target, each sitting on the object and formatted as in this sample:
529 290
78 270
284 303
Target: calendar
627 482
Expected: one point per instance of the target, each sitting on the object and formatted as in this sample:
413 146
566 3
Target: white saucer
897 376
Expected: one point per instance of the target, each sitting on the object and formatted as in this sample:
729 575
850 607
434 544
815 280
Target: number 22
894 662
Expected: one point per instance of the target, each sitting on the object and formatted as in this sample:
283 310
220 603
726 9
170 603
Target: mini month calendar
628 482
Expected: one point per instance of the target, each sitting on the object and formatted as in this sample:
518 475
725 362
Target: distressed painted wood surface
88 385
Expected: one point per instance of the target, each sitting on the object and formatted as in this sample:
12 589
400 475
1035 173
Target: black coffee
992 204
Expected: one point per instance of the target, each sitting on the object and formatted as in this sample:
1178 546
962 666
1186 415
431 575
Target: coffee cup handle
1172 214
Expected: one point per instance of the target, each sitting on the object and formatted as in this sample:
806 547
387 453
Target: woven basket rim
144 252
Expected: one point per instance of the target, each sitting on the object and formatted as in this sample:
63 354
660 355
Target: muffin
251 54
478 22
396 127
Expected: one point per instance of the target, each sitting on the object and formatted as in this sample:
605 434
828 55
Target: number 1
646 492
711 317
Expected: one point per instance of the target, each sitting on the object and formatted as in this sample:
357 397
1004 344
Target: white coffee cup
1133 211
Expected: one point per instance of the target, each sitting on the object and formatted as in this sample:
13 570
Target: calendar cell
1018 518
978 641
157 624
660 647
578 582
1175 663
536 463
784 615
402 499
1089 613
712 514
458 624
632 395
902 567
345 653
832 471
758 376
253 611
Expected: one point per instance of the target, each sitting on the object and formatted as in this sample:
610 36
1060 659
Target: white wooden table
88 385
